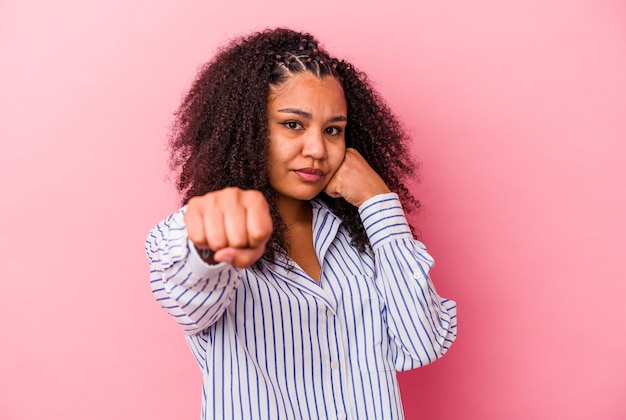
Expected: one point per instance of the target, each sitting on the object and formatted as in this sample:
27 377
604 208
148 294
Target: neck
294 212
298 219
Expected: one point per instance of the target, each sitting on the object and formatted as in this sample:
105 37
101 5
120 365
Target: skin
307 155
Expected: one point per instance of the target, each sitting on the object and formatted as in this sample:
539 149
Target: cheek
276 151
336 154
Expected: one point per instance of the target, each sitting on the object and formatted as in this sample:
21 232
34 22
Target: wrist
371 194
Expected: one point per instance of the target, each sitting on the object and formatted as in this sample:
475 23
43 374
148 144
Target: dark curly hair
220 134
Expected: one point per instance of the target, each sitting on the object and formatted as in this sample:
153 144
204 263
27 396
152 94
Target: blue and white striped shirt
273 344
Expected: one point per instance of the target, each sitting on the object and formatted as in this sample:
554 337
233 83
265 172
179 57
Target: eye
333 131
293 125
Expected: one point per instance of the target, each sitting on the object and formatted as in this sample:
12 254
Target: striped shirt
273 344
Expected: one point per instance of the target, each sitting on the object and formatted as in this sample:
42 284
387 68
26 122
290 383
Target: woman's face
307 119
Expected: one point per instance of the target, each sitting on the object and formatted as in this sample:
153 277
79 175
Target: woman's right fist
234 223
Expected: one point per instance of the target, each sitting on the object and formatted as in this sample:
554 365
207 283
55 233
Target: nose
314 145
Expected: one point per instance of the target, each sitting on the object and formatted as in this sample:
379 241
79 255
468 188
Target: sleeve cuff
197 263
384 219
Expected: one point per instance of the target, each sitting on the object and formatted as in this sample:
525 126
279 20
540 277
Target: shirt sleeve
421 324
193 292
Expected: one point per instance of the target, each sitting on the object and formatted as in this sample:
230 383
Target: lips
309 174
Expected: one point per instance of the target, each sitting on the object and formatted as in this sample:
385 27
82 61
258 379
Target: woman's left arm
421 324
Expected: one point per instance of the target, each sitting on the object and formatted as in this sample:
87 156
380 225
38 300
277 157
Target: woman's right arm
193 292
236 224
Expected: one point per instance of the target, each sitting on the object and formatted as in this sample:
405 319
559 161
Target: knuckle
196 237
238 243
258 237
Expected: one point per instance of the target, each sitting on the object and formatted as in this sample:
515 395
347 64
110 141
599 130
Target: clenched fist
355 180
234 223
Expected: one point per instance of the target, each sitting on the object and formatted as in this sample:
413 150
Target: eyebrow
309 116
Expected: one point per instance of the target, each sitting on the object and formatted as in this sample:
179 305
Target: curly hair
220 135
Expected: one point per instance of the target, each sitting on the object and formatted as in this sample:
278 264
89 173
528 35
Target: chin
309 197
302 195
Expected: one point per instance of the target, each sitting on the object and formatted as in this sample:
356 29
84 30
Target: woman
292 268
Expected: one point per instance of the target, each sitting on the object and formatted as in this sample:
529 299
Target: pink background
519 115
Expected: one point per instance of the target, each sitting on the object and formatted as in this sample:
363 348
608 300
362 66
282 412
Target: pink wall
519 114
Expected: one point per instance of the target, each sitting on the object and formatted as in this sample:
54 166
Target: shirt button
342 416
334 365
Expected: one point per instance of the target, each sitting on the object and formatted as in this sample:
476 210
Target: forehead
306 90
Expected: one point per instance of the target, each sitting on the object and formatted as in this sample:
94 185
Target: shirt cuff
197 263
384 219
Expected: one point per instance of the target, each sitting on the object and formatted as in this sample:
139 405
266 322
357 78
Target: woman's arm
421 324
234 223
193 292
